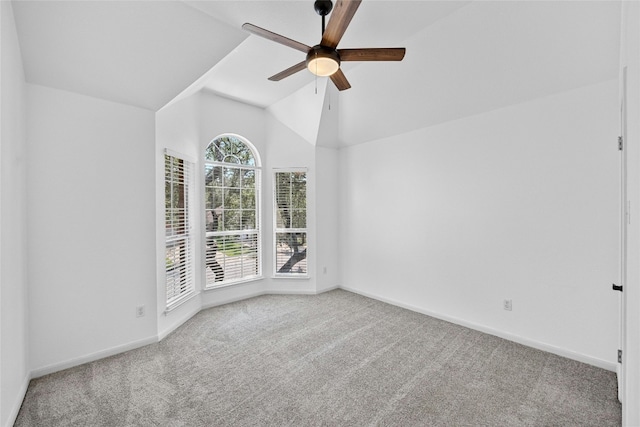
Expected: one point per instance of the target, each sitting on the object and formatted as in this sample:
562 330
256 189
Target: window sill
291 276
239 282
179 302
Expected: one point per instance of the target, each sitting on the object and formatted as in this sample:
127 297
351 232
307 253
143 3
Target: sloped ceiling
462 57
301 112
482 57
141 53
243 74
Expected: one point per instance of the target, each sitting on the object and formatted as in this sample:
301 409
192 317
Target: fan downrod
323 8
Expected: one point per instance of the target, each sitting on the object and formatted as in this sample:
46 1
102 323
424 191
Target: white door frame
624 221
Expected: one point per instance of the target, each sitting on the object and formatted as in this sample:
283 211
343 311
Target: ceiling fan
324 59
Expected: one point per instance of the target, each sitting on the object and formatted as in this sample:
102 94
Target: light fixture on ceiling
323 61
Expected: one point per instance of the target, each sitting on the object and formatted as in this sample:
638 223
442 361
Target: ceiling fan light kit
324 59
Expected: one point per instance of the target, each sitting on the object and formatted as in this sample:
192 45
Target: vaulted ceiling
134 52
463 57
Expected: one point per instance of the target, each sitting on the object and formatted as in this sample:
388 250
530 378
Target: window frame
186 270
257 168
277 230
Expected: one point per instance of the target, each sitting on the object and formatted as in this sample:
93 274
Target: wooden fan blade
373 54
340 18
254 29
338 78
289 71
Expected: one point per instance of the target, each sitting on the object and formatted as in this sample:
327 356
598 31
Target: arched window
232 216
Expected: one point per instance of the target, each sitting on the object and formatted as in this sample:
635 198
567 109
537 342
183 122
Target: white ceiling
243 74
462 57
134 52
484 56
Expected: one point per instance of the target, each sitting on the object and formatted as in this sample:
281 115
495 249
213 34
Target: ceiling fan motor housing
323 60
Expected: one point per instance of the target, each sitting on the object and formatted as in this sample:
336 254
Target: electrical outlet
140 311
507 305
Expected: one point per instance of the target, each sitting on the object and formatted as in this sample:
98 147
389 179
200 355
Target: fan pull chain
316 73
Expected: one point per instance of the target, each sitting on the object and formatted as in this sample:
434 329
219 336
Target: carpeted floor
335 359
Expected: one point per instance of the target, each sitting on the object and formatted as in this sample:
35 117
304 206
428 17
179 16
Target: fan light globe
323 66
323 61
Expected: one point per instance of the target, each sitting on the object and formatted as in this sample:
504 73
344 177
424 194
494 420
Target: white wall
327 186
518 203
327 192
220 115
91 229
287 149
14 369
177 128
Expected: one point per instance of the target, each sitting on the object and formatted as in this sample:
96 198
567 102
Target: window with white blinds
232 195
178 178
290 217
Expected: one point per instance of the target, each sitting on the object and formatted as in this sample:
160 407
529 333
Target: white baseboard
163 334
330 288
230 300
13 415
291 292
266 292
55 367
498 333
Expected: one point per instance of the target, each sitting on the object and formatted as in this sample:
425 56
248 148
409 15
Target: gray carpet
336 359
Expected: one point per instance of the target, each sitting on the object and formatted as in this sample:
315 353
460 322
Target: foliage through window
290 222
178 175
232 185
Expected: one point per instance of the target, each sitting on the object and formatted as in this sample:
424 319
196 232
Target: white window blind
290 217
179 255
232 194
